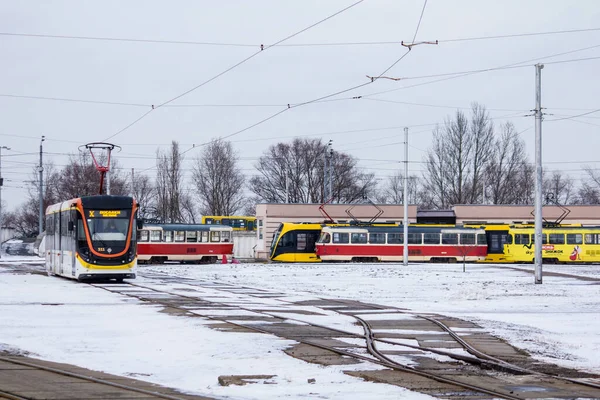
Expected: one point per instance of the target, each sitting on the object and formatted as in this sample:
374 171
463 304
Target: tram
92 238
385 243
191 243
574 244
295 242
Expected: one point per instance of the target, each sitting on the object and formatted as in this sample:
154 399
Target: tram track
368 353
123 389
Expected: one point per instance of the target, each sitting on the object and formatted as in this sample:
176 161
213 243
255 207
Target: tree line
470 161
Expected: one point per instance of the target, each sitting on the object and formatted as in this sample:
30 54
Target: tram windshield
108 225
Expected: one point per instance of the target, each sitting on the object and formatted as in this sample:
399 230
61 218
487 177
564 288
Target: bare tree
481 132
558 187
169 178
144 192
299 167
459 156
589 191
218 181
587 194
448 163
393 190
507 172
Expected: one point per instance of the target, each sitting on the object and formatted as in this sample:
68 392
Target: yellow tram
561 244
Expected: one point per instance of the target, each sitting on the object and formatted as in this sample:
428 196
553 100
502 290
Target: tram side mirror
140 224
70 226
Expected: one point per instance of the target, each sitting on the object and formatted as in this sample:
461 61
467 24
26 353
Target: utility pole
132 183
1 184
405 249
325 171
538 173
330 189
41 194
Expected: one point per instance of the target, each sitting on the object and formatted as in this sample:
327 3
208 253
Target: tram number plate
191 250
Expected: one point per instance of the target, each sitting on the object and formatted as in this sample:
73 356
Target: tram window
49 224
481 238
395 238
358 237
179 236
431 238
377 238
574 238
449 238
544 239
592 238
81 231
209 221
191 236
143 234
521 238
168 236
556 238
225 236
205 236
416 238
325 238
339 237
215 236
301 241
467 238
155 236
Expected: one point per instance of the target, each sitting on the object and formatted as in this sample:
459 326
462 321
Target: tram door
496 241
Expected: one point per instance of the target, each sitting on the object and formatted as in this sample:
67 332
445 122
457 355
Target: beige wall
269 216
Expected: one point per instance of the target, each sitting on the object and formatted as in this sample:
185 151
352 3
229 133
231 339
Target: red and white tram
386 243
193 243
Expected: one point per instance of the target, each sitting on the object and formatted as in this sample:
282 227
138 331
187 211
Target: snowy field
64 321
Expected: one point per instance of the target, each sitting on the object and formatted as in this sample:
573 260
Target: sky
555 322
141 73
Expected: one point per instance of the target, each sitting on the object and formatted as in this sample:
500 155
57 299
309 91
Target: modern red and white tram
193 243
386 243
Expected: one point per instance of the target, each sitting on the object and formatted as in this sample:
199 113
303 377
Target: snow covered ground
64 321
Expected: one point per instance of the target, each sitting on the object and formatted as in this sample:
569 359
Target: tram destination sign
108 213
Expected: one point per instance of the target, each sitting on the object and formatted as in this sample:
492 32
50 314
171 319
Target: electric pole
330 183
405 249
1 184
538 173
41 194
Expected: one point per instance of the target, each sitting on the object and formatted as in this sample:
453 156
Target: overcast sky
142 74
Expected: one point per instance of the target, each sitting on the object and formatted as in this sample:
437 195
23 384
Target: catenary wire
257 45
231 68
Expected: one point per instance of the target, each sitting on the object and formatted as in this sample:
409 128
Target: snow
65 321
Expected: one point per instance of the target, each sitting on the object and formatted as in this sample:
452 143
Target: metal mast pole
1 184
132 183
330 183
405 250
538 173
41 194
325 170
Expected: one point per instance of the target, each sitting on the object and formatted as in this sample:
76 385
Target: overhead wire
233 67
290 106
257 45
460 74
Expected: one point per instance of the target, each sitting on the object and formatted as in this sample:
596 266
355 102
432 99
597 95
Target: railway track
43 380
450 367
